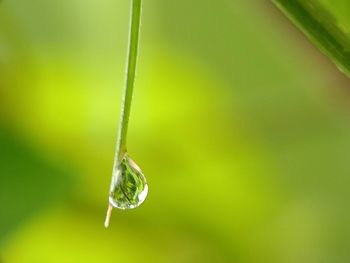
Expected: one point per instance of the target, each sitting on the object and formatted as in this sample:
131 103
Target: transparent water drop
129 187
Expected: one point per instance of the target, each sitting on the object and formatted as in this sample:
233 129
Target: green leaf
28 182
326 26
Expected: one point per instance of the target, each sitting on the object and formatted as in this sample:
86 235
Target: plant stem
134 32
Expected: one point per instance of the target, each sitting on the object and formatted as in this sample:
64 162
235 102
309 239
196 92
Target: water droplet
129 187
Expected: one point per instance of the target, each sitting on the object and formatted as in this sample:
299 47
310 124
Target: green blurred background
240 125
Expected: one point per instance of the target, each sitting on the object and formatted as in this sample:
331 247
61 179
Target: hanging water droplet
129 187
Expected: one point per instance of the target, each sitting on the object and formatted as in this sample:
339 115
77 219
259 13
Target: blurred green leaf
28 182
324 23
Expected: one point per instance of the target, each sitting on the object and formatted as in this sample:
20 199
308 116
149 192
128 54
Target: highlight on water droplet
129 187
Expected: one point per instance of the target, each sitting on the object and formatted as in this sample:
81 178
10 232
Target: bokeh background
240 125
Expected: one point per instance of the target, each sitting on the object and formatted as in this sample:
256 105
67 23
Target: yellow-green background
241 127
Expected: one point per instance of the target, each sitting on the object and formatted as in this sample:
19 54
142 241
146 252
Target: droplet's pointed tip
108 215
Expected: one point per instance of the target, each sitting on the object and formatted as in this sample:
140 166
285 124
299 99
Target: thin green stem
134 32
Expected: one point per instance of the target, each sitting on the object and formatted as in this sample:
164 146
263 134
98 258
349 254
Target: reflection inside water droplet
129 187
